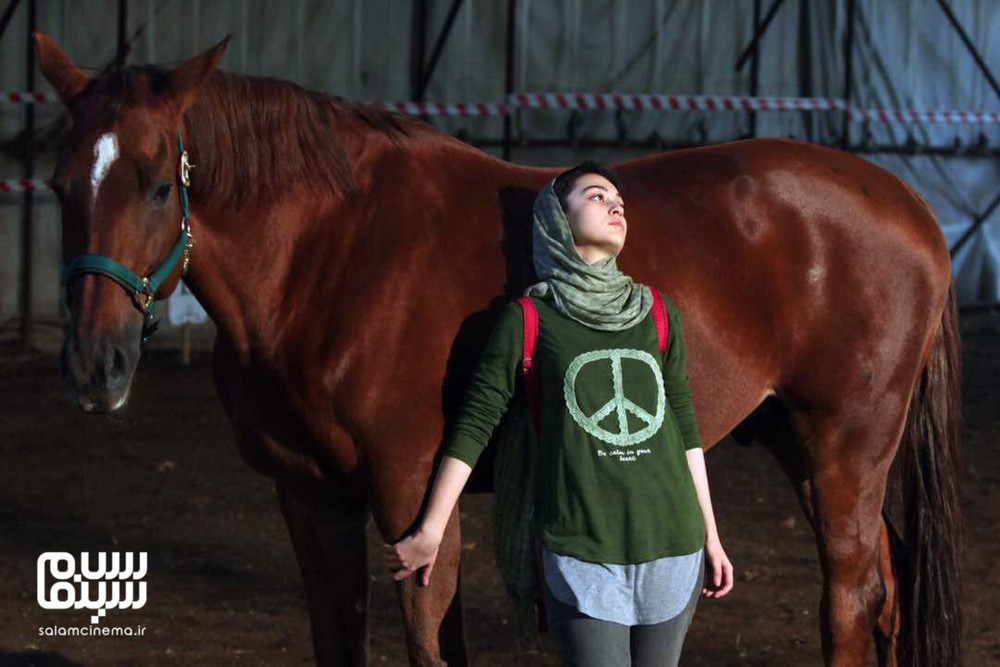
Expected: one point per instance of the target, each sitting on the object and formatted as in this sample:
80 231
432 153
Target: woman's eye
162 193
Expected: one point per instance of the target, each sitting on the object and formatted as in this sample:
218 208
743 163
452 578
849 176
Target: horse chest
285 428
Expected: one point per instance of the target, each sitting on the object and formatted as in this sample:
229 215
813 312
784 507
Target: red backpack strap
531 386
661 319
530 329
528 358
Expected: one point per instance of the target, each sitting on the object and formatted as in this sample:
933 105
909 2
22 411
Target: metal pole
805 67
151 34
7 15
509 72
970 46
755 67
845 131
27 226
428 72
758 34
418 43
976 224
122 50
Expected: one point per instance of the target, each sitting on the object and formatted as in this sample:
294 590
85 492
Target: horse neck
246 256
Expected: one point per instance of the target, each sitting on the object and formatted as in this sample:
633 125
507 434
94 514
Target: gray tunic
640 594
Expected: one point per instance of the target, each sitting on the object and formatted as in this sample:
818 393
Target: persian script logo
117 587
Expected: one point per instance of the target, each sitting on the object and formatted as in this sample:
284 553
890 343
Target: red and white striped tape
22 185
604 102
432 109
27 98
906 116
601 102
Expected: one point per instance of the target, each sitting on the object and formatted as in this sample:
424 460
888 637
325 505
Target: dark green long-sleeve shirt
616 418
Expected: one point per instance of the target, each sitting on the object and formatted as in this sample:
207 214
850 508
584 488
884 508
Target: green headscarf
597 295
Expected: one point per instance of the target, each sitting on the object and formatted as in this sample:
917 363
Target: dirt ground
223 587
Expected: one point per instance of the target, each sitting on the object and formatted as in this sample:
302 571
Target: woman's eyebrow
599 186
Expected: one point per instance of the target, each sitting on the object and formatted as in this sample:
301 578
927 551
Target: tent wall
906 55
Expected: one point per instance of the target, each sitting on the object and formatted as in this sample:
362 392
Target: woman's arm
676 383
486 399
721 568
420 549
696 464
678 390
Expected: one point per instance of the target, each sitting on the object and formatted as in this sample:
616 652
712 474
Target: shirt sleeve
676 383
490 389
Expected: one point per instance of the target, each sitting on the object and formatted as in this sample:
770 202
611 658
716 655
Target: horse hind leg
889 623
850 470
332 551
860 570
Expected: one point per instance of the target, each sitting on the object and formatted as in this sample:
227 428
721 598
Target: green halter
143 289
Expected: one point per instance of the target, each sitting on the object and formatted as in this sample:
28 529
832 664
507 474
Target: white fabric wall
906 56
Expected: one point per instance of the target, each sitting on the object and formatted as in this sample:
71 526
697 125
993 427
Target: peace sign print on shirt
617 399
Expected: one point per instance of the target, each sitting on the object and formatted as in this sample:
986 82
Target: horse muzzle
98 379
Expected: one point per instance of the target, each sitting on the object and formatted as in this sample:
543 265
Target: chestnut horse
354 260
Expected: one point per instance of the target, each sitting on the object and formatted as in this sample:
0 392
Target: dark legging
589 642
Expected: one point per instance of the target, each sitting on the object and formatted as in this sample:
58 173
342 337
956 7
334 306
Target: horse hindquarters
838 455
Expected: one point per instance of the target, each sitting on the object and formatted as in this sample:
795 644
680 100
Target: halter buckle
144 299
186 260
185 169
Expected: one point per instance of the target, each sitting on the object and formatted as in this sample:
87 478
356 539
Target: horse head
119 183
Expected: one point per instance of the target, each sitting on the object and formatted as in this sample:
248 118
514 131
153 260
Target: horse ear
187 78
58 69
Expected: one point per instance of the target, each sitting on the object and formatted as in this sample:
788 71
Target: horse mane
252 139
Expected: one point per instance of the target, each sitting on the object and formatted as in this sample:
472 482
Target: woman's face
596 217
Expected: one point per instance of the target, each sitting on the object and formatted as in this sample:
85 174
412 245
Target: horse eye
162 193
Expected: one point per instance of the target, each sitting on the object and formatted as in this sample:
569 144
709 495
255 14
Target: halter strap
143 289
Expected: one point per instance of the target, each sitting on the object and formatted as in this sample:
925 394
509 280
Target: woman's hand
411 553
718 571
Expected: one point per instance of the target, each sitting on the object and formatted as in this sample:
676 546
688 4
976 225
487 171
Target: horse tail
930 588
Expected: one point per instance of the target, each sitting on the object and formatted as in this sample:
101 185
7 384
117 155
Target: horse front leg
432 615
328 533
332 551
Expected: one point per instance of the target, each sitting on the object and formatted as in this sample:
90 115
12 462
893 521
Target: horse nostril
116 366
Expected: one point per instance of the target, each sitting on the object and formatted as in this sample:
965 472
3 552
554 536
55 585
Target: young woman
622 504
